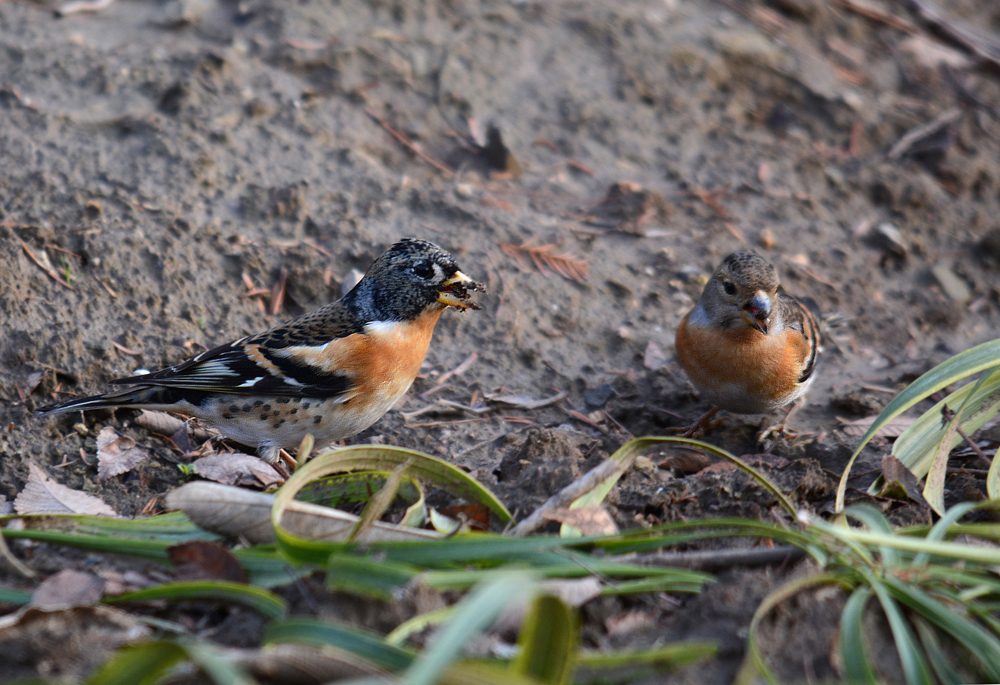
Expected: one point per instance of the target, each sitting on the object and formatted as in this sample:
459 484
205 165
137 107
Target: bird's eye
424 269
729 288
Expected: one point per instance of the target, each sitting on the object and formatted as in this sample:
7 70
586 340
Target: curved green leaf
857 667
940 529
139 664
473 614
915 668
370 457
984 645
318 633
263 601
925 445
960 366
548 641
674 655
947 674
876 522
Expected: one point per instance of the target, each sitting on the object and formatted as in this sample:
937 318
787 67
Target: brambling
747 345
331 373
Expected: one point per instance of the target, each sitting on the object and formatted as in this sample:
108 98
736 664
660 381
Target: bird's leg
781 428
699 426
277 458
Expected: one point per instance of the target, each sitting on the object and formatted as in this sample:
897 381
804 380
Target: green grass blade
473 614
216 667
140 664
947 674
318 633
973 405
378 579
960 366
949 550
857 667
876 522
940 529
15 597
266 567
675 655
915 668
972 636
548 640
263 601
993 478
401 633
150 549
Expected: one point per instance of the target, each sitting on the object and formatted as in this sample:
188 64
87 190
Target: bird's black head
407 279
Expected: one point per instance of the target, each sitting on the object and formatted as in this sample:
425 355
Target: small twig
582 418
48 272
107 287
975 448
278 293
408 144
125 350
457 371
78 6
877 15
14 562
983 44
709 197
431 424
914 135
718 559
578 488
442 405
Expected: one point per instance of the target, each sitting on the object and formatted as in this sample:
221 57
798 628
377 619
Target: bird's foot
699 427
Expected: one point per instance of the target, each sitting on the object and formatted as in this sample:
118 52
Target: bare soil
162 156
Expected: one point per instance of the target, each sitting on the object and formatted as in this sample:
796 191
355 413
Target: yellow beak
456 290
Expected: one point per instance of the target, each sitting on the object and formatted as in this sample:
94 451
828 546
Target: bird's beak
757 311
455 292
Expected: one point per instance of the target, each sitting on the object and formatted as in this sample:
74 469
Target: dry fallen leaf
42 495
654 358
200 560
236 468
117 454
67 589
159 422
525 402
588 520
859 427
900 482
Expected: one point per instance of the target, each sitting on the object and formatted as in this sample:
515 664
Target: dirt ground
168 158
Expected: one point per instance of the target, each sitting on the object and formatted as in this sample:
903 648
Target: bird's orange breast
742 371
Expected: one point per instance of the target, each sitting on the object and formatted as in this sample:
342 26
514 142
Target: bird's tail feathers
112 400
